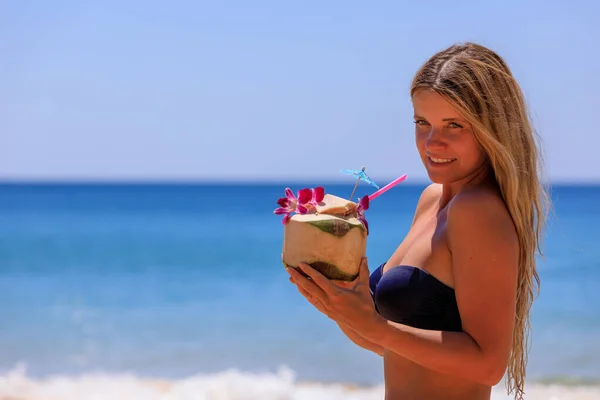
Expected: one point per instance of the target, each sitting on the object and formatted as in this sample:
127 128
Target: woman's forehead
430 104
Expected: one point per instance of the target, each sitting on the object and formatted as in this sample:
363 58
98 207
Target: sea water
169 281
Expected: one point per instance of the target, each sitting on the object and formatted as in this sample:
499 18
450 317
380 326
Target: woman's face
445 140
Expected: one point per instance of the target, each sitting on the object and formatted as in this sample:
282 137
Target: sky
271 90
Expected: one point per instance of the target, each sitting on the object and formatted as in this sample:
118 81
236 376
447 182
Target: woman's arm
360 340
427 199
485 256
351 333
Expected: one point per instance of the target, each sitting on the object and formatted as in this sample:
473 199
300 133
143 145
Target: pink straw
387 187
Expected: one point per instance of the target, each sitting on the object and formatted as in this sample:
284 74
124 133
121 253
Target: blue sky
270 90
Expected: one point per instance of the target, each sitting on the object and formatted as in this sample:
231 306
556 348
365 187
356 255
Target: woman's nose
435 139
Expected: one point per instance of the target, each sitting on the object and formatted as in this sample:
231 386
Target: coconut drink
327 232
331 236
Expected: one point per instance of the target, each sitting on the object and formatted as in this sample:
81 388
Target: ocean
133 290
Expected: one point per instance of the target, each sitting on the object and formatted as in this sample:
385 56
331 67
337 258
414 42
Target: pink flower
306 201
363 206
316 196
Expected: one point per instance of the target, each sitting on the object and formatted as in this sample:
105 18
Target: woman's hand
349 303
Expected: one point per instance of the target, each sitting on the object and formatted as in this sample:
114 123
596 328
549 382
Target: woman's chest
426 247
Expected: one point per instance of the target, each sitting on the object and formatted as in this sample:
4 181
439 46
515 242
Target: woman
449 310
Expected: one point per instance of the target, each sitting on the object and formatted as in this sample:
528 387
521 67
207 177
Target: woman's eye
455 125
420 122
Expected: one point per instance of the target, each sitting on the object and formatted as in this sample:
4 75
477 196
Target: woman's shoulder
430 197
431 193
479 200
481 212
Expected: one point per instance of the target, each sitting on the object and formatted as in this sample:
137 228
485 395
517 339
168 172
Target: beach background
106 288
143 146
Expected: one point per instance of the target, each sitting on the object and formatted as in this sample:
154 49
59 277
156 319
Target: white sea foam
227 385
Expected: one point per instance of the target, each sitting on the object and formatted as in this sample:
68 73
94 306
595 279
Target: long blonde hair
478 82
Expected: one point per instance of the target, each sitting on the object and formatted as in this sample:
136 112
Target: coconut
331 239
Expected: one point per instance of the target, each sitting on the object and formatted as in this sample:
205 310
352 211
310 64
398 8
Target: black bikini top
411 296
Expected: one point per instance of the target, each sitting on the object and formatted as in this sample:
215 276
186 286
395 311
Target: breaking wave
227 385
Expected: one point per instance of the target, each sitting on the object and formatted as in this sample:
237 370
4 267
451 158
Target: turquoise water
173 280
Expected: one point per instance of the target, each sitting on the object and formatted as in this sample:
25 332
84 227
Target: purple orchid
363 206
306 201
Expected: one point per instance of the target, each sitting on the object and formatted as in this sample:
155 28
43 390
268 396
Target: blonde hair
478 82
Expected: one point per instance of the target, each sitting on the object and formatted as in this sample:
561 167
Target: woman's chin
436 177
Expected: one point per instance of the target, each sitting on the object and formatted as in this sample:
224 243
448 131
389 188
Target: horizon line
241 181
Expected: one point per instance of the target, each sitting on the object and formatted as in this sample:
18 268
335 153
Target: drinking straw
387 187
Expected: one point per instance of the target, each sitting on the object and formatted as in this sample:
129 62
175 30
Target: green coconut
332 240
